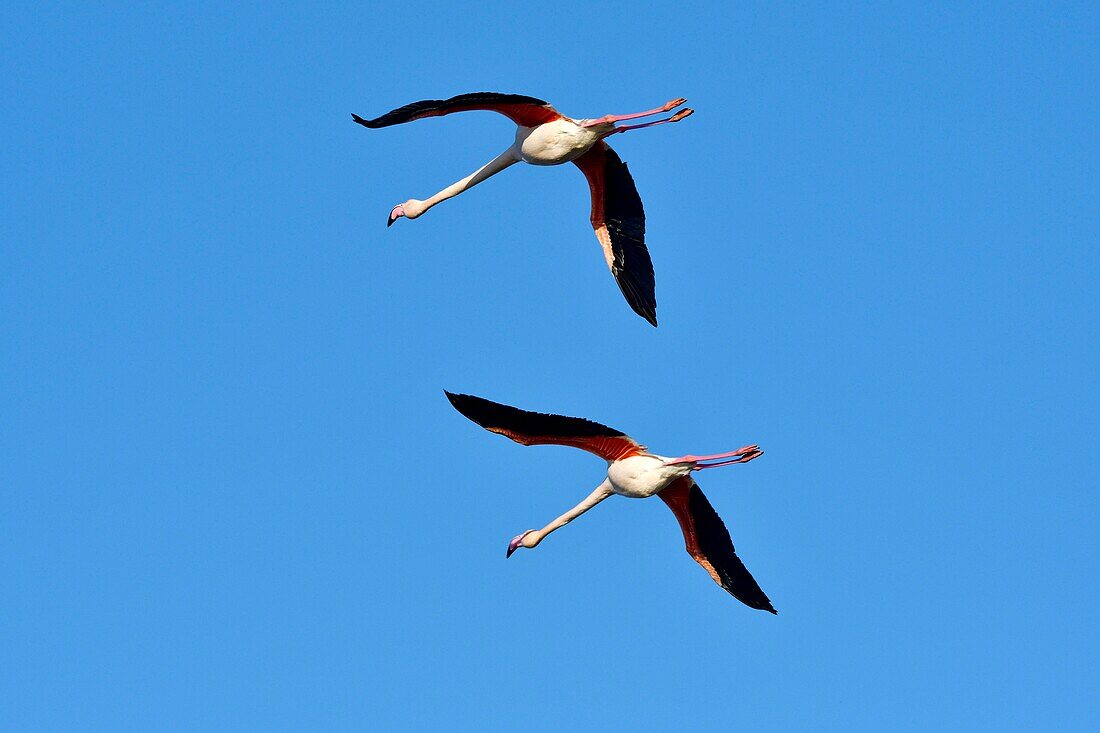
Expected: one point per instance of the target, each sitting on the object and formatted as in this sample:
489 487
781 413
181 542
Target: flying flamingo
547 137
634 472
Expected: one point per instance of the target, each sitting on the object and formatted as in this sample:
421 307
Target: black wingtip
458 401
756 603
644 307
649 313
360 120
476 409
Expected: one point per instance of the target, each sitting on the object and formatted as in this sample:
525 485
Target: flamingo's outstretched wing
525 111
536 428
619 221
709 542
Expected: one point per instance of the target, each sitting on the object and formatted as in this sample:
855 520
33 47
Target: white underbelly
640 476
555 142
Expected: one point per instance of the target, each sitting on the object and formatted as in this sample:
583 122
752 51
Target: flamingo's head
517 542
395 213
410 209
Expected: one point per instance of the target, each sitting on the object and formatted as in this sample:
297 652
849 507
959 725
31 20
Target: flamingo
547 137
634 472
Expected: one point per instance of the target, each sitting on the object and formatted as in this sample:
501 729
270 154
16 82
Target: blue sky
235 497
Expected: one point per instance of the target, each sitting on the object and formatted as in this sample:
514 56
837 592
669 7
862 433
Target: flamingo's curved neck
599 494
494 166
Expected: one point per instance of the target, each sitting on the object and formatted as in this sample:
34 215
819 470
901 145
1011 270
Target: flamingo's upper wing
709 542
536 428
619 221
523 110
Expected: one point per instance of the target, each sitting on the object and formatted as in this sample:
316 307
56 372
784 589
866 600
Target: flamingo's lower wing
536 428
523 110
619 221
709 542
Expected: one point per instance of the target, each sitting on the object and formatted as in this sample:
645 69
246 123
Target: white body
556 142
639 477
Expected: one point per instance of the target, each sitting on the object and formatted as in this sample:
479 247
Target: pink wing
619 221
536 428
708 541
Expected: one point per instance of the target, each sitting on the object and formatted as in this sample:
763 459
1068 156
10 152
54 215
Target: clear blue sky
234 496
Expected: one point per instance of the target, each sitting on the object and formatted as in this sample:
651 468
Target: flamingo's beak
396 213
516 543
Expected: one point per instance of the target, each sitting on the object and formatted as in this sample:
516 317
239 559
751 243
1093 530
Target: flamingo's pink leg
675 118
741 459
738 452
608 119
